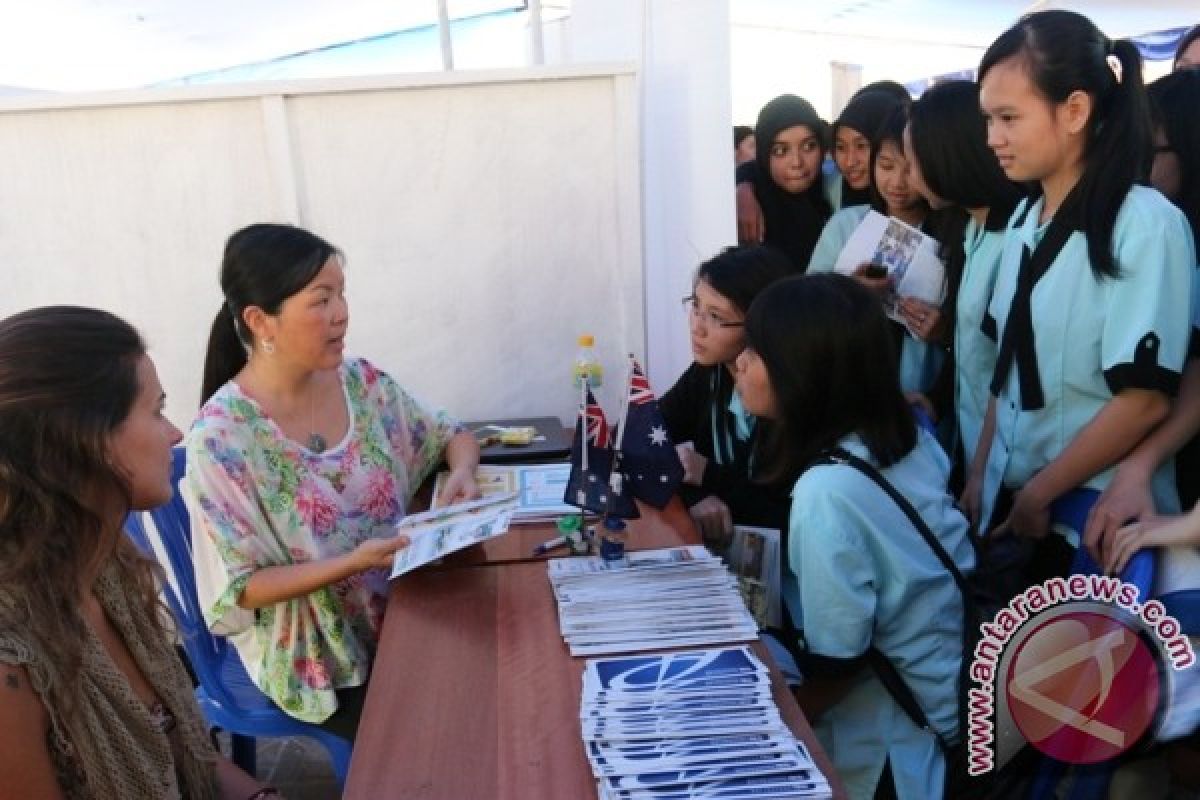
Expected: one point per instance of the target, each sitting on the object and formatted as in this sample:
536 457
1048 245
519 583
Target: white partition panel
487 220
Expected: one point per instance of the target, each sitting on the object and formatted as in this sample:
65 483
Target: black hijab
793 221
865 113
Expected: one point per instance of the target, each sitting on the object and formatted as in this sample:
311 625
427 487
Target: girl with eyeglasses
717 437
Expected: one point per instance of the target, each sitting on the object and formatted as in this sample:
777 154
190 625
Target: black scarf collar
1017 344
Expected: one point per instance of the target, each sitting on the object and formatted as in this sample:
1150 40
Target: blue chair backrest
171 542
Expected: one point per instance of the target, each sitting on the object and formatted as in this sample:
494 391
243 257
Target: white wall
487 218
682 47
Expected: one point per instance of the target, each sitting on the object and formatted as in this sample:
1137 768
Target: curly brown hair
68 379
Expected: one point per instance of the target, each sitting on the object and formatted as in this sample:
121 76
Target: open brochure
909 256
753 557
440 531
539 488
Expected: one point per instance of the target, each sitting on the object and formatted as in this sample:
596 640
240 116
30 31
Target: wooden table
654 529
474 695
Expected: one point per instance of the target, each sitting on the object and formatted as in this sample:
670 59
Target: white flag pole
615 480
624 405
583 422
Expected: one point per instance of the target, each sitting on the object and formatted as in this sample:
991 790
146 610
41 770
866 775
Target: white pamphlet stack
649 600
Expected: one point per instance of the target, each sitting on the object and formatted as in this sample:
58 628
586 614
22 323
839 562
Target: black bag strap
840 456
889 676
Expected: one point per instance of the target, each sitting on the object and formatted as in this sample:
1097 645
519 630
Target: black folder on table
556 446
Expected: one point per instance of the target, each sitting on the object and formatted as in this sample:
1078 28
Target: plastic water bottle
586 363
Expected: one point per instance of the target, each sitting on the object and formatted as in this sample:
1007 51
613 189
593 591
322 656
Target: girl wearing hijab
854 134
786 176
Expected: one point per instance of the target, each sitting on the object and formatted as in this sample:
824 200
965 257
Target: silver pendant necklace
316 442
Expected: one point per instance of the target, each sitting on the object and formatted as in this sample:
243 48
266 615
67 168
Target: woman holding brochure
861 581
300 464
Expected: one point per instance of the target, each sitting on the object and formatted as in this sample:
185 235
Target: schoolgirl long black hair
1065 52
1175 107
827 349
949 138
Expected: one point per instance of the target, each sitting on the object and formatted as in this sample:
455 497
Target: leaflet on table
640 757
640 559
539 488
753 556
440 531
669 670
910 257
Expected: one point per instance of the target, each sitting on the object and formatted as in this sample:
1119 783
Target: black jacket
689 408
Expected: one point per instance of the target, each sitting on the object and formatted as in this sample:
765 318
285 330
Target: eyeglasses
707 318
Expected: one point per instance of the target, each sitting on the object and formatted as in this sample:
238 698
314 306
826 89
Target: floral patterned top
259 499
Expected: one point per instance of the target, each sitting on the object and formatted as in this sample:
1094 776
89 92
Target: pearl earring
268 347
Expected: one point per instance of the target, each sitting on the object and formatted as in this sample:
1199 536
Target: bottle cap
614 523
568 523
587 340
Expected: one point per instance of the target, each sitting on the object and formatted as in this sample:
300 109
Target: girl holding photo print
893 195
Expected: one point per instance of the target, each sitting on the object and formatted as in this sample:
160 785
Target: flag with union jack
647 455
591 466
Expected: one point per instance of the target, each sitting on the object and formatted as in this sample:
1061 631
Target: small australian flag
648 458
590 488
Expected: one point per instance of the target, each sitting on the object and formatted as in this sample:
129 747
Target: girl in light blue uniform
1091 309
951 165
892 195
820 364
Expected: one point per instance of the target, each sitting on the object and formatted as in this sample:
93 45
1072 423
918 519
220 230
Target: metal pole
535 32
444 31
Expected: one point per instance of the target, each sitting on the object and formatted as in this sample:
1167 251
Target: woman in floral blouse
299 465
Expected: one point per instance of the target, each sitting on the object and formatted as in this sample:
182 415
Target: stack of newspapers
649 600
699 723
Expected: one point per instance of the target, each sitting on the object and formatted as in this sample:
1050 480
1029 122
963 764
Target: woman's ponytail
226 354
1118 148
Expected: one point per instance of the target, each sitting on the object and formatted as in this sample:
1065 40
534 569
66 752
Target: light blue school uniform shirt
834 236
831 183
858 575
1092 338
919 361
974 353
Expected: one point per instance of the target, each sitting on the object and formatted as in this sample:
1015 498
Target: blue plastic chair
228 697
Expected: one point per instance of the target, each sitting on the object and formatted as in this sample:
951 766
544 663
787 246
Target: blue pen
550 544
